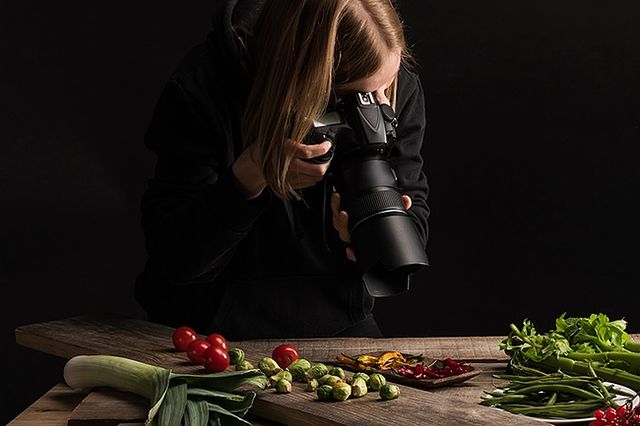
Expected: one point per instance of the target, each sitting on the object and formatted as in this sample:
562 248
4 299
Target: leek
175 399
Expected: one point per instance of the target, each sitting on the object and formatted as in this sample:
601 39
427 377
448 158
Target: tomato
182 337
218 341
196 349
216 359
284 355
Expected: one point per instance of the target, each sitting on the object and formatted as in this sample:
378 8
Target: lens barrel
383 234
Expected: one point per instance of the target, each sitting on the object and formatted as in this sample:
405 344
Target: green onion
188 399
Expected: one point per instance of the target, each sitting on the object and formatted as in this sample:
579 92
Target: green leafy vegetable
190 399
576 346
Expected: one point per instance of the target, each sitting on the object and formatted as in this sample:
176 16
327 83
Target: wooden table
444 406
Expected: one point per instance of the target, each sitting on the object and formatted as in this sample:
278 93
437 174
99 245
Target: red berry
610 414
598 414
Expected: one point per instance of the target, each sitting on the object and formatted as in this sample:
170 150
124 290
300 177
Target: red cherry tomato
218 341
216 359
196 349
284 355
182 337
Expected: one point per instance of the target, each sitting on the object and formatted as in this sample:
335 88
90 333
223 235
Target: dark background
534 113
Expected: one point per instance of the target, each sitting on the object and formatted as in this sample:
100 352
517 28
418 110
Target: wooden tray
392 376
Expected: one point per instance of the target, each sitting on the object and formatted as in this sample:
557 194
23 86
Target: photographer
234 216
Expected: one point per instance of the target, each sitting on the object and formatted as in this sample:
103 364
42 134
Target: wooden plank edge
290 416
49 345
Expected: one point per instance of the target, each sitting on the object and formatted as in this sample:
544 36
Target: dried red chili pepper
450 367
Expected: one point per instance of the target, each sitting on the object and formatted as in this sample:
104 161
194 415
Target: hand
303 174
341 221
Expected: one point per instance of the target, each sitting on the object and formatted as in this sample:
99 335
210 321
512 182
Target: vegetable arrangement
581 353
574 345
330 384
212 399
555 395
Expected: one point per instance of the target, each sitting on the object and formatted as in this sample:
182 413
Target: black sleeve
406 155
193 215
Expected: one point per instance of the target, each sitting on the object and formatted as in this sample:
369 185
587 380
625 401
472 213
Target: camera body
384 238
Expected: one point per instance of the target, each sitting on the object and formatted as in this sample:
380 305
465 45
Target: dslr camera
362 133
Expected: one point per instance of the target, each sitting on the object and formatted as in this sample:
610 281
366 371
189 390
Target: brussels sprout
298 368
316 371
337 371
389 391
328 379
283 386
360 375
236 355
269 367
376 381
312 385
324 392
283 375
244 365
358 388
341 391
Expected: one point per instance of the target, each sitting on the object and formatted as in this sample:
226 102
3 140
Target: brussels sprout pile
333 388
329 384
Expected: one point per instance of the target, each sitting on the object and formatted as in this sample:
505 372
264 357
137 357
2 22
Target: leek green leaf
172 410
196 414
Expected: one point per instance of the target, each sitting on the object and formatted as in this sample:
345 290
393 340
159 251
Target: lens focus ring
374 204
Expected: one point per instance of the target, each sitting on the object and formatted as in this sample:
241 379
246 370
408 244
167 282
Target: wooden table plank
102 333
52 409
151 343
108 407
56 406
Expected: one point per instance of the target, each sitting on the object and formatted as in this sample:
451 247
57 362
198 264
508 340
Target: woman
234 215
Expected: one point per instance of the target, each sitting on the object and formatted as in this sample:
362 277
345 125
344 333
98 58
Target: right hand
302 174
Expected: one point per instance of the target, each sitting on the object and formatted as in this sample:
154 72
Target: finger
381 97
307 152
407 202
341 226
351 254
311 169
343 229
335 203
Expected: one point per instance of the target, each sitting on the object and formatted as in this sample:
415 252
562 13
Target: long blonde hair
304 49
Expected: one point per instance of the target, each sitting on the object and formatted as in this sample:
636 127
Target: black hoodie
259 268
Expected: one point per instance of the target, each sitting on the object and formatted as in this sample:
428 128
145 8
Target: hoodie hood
228 17
224 41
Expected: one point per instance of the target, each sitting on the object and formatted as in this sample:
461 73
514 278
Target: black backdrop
534 114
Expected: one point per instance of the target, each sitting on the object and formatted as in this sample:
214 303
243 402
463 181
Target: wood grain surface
52 409
151 343
108 407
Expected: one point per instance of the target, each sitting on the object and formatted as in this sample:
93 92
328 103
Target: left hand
341 221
